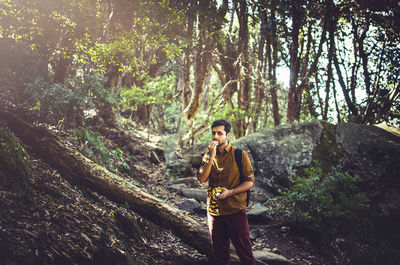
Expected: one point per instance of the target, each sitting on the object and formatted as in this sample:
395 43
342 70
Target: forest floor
56 222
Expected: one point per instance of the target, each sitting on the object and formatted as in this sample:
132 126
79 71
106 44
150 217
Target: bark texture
80 170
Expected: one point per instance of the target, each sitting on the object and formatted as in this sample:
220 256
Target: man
226 196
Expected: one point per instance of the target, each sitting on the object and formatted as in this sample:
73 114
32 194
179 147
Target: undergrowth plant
332 211
93 147
324 204
55 101
158 95
15 162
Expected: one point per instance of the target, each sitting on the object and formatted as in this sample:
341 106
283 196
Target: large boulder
373 155
280 154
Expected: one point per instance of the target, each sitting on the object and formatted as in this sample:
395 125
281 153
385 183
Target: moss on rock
328 152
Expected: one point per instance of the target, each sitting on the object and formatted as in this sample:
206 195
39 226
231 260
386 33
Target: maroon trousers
233 227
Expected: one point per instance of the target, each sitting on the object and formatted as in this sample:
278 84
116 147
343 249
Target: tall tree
272 59
262 53
210 20
202 63
300 68
297 14
187 56
244 92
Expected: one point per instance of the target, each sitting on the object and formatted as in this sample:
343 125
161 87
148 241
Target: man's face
219 135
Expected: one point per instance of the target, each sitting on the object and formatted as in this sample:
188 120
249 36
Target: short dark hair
225 123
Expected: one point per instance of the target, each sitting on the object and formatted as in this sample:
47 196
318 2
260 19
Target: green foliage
233 114
98 96
119 157
219 110
54 100
118 51
15 162
324 204
57 101
154 90
158 93
93 146
329 209
42 24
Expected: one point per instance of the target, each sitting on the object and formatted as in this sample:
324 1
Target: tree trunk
356 65
371 108
350 104
339 119
80 170
202 66
327 86
331 48
107 112
272 65
244 92
186 87
309 101
62 69
295 92
364 57
294 61
260 74
387 104
64 62
187 62
228 54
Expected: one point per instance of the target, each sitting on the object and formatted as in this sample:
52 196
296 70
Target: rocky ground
56 222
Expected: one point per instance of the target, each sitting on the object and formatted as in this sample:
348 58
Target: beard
221 142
